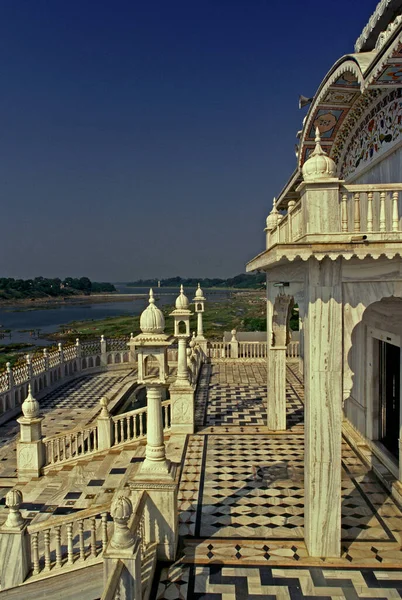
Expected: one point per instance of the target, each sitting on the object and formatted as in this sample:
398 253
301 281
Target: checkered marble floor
240 405
251 487
220 582
72 404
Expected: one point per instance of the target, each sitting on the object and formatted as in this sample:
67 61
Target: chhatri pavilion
254 469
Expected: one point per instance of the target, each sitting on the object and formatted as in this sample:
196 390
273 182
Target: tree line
40 287
243 281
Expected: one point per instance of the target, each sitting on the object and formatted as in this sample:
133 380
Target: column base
157 470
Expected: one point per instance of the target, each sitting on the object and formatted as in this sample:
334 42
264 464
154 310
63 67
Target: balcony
350 220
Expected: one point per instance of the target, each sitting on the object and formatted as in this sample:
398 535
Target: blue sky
147 138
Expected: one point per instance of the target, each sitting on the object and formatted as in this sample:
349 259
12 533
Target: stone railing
48 370
124 538
371 209
252 349
83 441
71 445
367 209
293 350
132 425
65 540
246 350
219 350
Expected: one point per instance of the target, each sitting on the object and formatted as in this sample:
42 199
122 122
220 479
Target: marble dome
199 293
319 165
152 319
182 300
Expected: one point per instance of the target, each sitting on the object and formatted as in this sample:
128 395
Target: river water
48 320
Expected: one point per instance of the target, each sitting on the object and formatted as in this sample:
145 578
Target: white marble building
334 247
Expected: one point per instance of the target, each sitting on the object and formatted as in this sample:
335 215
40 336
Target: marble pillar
276 415
182 372
200 328
323 407
155 462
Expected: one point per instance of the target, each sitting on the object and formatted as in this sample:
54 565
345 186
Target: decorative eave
181 312
384 12
281 253
152 339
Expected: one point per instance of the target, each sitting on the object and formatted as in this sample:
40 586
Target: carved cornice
373 21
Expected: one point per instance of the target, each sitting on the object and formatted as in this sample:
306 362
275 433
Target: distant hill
243 281
42 287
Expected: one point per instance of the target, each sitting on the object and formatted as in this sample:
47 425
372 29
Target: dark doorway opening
389 420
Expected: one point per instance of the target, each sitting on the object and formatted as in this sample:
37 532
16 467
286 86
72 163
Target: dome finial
319 165
182 300
152 320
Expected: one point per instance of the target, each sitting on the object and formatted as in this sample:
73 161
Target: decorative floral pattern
378 131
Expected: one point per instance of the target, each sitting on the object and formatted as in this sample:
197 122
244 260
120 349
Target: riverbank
41 303
245 310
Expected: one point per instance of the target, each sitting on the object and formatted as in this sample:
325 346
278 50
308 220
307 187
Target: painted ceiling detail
377 132
346 93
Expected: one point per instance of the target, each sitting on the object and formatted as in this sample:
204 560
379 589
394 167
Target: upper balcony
331 218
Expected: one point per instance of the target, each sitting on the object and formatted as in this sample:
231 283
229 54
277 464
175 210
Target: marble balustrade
372 209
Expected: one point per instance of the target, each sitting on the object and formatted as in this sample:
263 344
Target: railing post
61 358
30 447
291 205
103 346
234 345
46 360
10 377
29 367
105 426
15 554
78 350
131 345
126 547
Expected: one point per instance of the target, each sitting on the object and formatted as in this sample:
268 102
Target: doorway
389 395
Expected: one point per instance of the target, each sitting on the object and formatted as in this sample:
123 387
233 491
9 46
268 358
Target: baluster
141 424
93 536
64 448
383 225
121 430
70 559
127 423
395 216
35 552
344 212
116 437
76 443
357 212
369 211
104 530
70 446
46 536
58 545
81 536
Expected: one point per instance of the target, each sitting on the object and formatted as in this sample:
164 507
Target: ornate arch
337 94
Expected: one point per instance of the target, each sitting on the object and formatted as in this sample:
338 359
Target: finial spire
318 148
151 296
181 289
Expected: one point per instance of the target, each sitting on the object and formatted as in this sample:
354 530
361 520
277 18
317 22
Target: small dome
30 406
319 165
152 319
182 300
199 293
272 218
